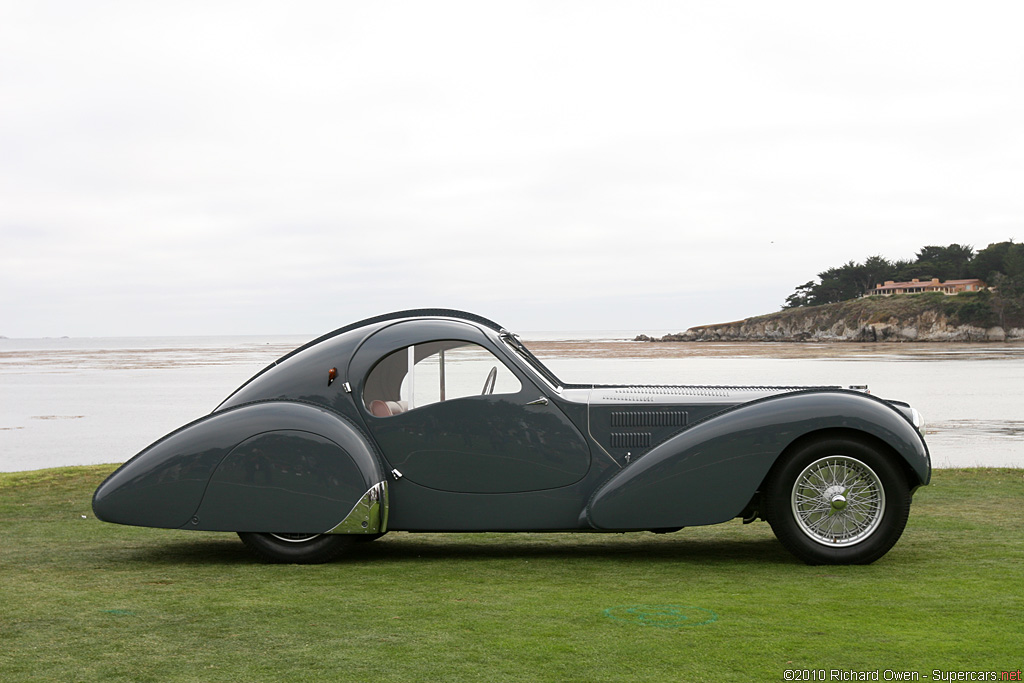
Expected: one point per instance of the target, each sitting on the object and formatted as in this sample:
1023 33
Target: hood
663 394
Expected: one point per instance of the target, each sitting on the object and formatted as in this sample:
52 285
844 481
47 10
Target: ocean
91 401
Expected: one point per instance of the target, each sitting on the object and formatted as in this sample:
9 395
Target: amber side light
332 375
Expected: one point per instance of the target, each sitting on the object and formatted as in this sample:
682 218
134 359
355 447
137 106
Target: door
451 415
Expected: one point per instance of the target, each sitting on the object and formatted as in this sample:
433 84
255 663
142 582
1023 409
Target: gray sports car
440 420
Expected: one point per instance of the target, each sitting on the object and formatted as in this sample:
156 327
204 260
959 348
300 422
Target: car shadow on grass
404 547
658 549
226 551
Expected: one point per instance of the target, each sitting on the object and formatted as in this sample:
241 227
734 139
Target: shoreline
909 318
777 349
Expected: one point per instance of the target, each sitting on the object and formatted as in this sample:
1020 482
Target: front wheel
296 548
837 501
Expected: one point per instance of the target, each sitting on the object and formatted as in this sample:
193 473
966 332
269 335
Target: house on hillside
915 286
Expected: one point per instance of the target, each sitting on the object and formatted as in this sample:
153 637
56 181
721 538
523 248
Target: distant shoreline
910 318
551 350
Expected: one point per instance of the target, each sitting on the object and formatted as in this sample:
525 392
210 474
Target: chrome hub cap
838 501
295 538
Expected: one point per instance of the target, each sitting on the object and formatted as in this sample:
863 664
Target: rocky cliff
920 318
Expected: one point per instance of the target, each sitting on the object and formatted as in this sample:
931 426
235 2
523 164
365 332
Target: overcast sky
286 168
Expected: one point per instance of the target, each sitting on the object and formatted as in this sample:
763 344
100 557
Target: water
88 401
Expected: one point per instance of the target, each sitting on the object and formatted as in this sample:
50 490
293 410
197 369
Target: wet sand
788 350
145 357
141 358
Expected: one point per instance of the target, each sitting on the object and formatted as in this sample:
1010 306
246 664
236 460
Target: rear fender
708 473
276 466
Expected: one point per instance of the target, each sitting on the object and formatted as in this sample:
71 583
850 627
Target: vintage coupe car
440 420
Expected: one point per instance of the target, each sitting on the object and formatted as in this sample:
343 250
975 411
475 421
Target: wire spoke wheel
838 501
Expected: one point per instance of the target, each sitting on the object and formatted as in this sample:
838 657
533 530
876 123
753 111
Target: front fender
708 473
276 466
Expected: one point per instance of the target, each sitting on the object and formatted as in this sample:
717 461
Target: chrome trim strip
593 440
369 515
522 357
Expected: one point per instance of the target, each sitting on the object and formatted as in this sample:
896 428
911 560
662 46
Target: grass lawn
81 600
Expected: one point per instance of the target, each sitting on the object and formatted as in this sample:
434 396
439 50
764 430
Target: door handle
542 401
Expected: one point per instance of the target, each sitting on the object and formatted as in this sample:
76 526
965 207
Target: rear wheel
296 548
837 501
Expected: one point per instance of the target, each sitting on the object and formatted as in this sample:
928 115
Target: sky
252 167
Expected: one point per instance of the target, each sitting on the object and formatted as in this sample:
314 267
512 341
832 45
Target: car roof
371 322
398 315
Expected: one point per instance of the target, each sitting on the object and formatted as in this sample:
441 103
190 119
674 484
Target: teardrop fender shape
276 466
708 473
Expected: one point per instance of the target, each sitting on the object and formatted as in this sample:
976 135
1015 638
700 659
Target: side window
432 372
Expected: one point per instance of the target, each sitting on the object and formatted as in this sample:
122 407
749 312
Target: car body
437 420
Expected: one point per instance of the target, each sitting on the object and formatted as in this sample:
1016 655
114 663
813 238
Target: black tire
296 548
837 501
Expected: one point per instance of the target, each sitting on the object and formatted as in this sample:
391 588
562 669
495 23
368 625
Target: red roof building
915 286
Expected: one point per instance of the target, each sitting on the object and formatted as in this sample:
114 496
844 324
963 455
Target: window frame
409 374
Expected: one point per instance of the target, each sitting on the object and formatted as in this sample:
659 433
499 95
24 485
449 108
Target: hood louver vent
627 392
630 439
649 418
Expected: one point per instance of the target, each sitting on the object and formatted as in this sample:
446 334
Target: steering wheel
492 378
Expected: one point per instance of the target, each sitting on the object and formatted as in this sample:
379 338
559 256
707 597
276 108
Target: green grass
83 600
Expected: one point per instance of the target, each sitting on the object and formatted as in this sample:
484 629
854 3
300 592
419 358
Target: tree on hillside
1013 263
848 281
945 263
1000 265
1004 265
992 259
803 296
874 271
851 280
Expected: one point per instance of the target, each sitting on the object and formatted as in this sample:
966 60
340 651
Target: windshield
513 342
